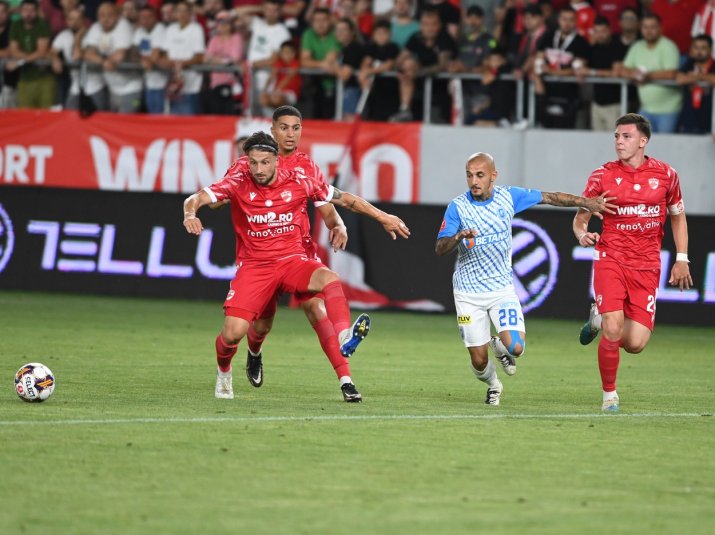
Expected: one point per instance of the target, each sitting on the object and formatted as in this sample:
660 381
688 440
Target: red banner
183 154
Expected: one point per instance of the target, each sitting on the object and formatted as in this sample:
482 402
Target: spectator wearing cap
474 45
225 48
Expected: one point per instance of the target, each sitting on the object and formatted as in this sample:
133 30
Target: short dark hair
323 10
704 37
601 21
642 124
290 111
288 43
652 16
382 23
534 10
475 10
30 2
260 141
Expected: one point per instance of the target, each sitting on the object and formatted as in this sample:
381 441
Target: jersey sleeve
320 192
221 190
318 176
594 186
524 198
450 222
674 197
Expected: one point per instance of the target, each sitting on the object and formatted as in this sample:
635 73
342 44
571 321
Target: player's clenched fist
193 224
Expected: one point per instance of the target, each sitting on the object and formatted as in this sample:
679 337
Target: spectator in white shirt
267 34
108 42
184 46
66 49
148 40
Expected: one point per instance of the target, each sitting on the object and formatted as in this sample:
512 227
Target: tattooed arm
393 225
595 205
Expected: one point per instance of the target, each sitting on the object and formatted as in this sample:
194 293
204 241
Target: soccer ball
34 382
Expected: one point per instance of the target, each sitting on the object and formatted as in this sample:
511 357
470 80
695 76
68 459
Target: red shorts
633 291
256 286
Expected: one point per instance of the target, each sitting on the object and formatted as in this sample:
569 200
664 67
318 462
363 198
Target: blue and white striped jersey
484 262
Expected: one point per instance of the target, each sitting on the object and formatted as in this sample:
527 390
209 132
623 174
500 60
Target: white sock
224 374
254 354
609 395
501 348
596 322
487 375
344 336
345 379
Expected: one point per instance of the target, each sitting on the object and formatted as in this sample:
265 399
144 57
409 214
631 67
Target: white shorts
475 310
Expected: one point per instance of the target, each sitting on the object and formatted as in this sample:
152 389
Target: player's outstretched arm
680 274
338 235
392 224
191 205
449 243
580 229
596 205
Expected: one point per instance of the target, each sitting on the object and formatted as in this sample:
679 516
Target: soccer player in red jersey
286 130
266 207
626 265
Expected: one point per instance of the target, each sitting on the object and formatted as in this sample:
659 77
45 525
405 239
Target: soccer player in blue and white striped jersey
478 225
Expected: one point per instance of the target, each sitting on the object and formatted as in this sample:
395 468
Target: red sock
337 306
224 353
255 340
329 343
608 358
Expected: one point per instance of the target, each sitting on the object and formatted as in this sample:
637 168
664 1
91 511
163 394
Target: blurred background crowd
210 56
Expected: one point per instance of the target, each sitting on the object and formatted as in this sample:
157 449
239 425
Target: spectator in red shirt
677 19
612 9
585 17
283 87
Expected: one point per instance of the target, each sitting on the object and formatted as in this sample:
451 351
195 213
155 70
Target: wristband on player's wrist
580 237
189 215
682 257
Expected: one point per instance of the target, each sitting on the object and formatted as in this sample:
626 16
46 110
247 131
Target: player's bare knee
314 310
263 326
634 347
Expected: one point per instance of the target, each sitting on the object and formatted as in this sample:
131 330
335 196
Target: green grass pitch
133 441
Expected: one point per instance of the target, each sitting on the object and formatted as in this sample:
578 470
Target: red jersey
295 82
634 234
268 220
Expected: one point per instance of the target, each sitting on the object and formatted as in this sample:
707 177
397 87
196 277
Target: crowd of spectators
142 56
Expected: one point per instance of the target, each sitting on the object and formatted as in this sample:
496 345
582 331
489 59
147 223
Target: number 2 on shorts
508 317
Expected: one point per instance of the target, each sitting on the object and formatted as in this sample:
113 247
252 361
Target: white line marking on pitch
348 417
